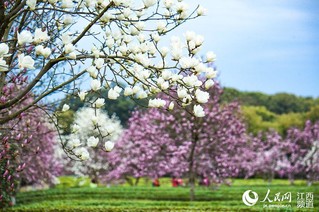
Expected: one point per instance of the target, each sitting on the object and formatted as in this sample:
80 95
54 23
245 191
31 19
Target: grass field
165 198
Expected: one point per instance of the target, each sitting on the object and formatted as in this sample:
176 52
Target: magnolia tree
178 143
146 149
268 154
27 150
212 142
303 156
55 45
265 155
45 42
85 134
42 41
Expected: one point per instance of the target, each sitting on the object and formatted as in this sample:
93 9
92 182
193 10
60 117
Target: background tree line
260 111
279 111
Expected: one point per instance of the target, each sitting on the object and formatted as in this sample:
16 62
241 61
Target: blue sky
266 45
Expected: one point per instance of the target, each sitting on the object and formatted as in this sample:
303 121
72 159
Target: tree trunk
191 171
291 179
192 186
136 181
129 181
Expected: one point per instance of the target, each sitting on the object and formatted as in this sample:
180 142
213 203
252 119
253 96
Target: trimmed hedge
147 198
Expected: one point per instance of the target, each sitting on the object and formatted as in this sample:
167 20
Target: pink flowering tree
296 155
303 156
212 141
146 149
181 144
265 155
27 154
39 155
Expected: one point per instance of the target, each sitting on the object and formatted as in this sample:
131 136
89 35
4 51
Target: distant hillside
280 103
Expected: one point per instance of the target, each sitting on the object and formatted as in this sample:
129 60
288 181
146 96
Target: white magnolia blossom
109 145
40 36
99 103
201 96
182 93
95 85
164 51
157 102
113 94
190 35
161 26
82 153
45 52
66 38
67 4
75 142
141 94
201 11
211 73
95 121
67 20
3 65
31 4
65 107
25 62
168 3
92 71
149 3
110 129
209 84
92 141
68 48
210 56
82 95
188 62
4 50
96 52
24 37
72 56
99 63
171 106
199 111
128 91
192 81
182 7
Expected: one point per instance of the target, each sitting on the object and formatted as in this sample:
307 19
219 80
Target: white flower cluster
23 38
130 48
92 126
127 51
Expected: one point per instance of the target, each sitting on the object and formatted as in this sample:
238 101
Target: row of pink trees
302 158
158 143
296 155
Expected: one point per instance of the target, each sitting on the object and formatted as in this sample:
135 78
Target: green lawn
165 198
